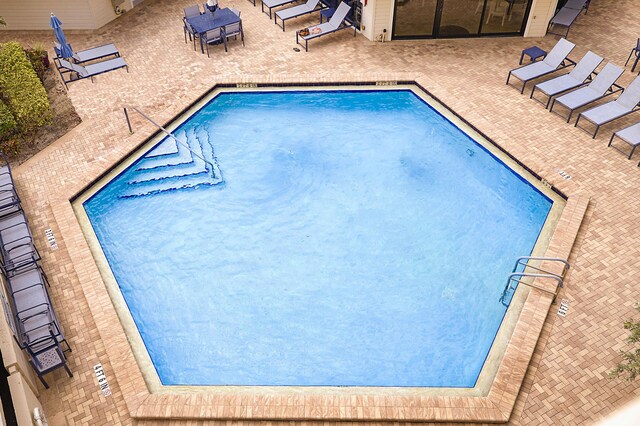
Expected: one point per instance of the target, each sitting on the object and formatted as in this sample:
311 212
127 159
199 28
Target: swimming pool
357 238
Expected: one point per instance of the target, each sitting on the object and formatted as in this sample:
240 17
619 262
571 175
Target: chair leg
68 371
632 50
635 64
46 386
242 37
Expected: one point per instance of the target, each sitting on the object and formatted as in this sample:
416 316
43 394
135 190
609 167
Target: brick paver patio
566 382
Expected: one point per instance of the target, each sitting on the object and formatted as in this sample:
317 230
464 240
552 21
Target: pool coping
496 406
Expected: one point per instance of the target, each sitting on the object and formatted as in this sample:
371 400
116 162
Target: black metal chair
636 51
47 356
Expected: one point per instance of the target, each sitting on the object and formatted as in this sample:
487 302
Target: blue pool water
358 239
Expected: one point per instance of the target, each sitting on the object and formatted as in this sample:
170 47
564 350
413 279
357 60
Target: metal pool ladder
517 277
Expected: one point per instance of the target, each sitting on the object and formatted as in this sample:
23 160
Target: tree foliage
629 368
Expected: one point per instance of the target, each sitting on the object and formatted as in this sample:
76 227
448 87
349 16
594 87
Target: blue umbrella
65 50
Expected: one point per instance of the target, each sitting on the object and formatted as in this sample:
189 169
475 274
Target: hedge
21 89
7 122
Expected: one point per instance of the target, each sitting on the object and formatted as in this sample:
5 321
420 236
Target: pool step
195 166
182 156
168 146
171 172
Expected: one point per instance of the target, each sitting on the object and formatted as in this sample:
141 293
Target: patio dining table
210 21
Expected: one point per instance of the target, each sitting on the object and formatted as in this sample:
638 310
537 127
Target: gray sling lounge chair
630 135
337 22
554 61
293 12
626 103
92 54
602 85
270 4
564 18
9 200
78 72
16 243
576 78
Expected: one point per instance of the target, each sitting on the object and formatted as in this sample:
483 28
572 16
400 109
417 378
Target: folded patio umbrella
65 49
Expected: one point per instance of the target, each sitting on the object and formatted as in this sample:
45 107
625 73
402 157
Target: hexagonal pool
316 238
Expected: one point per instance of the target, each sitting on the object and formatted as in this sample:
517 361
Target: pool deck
565 382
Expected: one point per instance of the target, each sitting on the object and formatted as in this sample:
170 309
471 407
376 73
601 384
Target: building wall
541 13
383 19
74 14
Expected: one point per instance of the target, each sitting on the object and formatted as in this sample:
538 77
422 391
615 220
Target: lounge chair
564 18
636 51
9 200
626 103
293 12
604 84
274 3
78 72
576 78
16 244
630 135
554 61
33 309
337 22
576 4
92 54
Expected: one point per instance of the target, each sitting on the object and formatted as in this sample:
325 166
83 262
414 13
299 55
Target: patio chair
87 55
337 22
46 357
626 103
270 4
191 11
499 8
235 11
16 244
188 29
233 30
214 36
554 61
630 135
636 51
564 18
78 72
9 200
300 10
576 78
602 85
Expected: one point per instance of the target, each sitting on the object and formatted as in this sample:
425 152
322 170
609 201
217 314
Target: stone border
365 405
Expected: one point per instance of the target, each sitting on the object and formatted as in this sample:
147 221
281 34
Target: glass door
460 18
414 18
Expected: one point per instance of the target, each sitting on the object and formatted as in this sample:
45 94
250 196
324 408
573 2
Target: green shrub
7 122
21 89
36 57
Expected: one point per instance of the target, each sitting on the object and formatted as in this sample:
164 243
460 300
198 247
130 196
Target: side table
534 53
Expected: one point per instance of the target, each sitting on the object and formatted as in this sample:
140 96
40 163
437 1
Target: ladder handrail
126 114
513 275
565 268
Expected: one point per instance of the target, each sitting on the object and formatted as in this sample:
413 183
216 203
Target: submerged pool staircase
525 272
180 161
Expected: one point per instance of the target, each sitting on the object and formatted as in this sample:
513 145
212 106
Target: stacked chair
35 324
